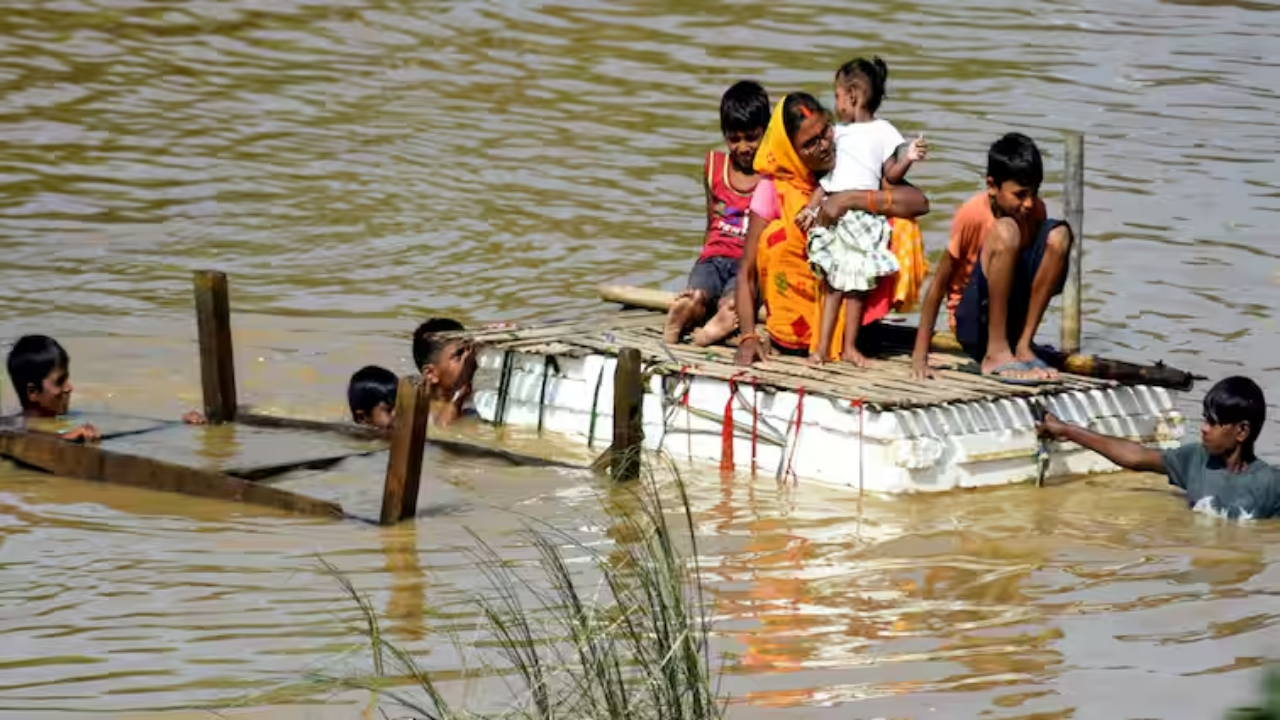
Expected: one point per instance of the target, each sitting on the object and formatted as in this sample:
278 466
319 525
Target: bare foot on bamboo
817 360
855 358
716 329
674 327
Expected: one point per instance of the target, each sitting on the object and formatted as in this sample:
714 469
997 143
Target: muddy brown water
358 165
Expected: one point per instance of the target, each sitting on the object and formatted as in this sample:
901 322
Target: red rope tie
796 442
727 464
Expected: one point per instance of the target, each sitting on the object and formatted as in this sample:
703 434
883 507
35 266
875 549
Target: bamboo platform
875 428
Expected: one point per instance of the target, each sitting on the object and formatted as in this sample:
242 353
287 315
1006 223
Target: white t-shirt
861 151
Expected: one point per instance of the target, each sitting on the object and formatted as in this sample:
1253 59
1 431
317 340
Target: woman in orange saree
796 148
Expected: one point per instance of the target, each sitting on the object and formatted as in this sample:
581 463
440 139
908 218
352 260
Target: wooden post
628 428
1073 210
217 359
408 436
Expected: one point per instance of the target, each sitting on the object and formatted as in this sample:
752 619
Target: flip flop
1017 365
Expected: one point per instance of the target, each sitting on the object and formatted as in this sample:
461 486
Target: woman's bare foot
855 358
817 360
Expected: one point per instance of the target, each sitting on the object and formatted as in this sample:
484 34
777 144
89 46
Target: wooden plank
1073 209
457 447
404 467
86 462
246 416
628 425
217 358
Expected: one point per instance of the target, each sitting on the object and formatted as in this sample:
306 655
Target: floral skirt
854 254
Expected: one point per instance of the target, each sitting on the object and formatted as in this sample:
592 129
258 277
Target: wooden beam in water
628 426
1073 210
87 462
361 432
217 358
404 467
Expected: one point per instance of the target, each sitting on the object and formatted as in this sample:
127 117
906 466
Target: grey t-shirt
1252 493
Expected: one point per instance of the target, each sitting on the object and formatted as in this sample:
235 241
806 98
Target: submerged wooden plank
86 462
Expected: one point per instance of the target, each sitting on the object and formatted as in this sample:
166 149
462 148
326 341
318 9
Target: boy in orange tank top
728 180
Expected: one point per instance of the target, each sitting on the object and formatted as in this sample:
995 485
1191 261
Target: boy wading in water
371 395
851 257
1220 474
1005 262
40 369
449 365
728 180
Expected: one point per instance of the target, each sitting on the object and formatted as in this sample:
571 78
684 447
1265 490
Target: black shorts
971 313
716 276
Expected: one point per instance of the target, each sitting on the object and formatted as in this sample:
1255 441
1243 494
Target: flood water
357 165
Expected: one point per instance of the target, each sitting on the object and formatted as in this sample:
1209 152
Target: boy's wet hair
744 108
1015 157
874 71
426 343
1235 400
32 359
371 386
797 108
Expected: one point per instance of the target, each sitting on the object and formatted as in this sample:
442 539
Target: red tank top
729 211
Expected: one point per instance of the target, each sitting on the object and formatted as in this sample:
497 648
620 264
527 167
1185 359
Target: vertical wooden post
408 435
217 358
1073 209
628 428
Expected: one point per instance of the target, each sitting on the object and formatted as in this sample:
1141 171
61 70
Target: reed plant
624 638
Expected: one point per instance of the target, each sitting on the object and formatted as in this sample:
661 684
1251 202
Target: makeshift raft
873 429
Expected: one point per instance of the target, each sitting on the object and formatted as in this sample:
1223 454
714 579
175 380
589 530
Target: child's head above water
447 363
859 87
1234 411
1014 173
41 374
744 115
372 396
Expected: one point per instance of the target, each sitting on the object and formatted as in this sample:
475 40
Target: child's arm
1125 453
895 168
929 317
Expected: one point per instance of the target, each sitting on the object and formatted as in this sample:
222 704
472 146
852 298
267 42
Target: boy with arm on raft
1220 474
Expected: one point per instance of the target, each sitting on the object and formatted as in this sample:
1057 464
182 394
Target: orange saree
788 287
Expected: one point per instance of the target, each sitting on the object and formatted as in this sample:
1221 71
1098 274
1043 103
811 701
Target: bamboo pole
628 430
1073 210
217 357
404 466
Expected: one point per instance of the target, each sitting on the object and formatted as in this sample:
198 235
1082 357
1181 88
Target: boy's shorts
971 313
716 276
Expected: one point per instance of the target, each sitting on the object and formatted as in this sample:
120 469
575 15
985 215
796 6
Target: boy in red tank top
728 180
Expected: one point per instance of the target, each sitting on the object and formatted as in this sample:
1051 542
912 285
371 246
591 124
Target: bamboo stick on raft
904 337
